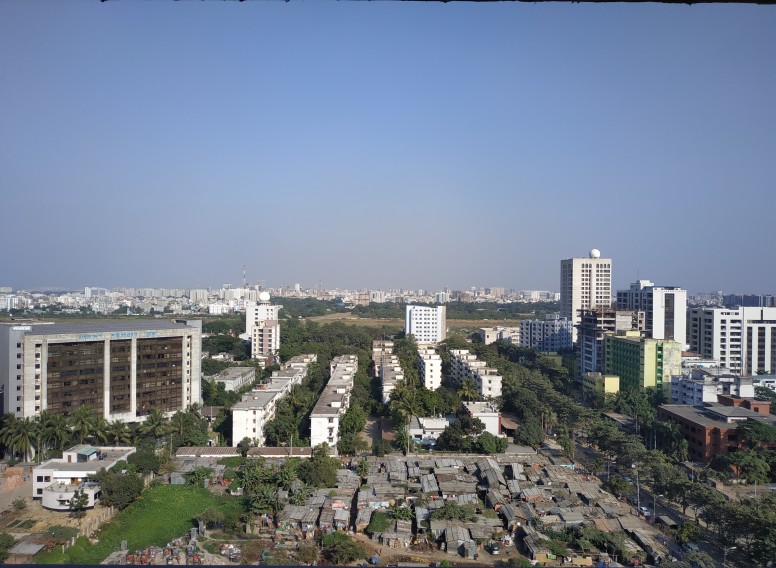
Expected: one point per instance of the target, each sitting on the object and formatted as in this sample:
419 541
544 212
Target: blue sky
382 144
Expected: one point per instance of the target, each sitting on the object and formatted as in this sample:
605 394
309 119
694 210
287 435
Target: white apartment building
703 385
551 334
55 481
664 307
386 367
490 335
256 408
594 326
426 430
585 283
262 327
333 402
234 378
741 339
488 413
465 365
428 325
429 368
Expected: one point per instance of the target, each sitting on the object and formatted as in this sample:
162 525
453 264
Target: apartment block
664 307
642 362
465 365
593 327
234 378
428 325
741 339
119 369
429 368
487 413
490 335
585 284
550 334
333 402
705 385
251 414
262 327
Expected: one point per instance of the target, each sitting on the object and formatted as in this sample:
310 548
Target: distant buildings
741 339
704 385
664 307
490 335
585 283
119 369
465 365
488 413
333 402
428 325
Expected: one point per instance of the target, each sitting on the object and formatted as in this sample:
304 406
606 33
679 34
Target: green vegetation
465 310
339 549
6 544
163 513
378 523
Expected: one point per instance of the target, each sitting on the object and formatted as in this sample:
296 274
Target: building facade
742 339
550 334
664 307
333 402
429 368
593 327
428 325
642 362
262 327
585 283
119 369
465 365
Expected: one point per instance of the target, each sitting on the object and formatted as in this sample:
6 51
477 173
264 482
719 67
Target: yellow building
642 362
599 385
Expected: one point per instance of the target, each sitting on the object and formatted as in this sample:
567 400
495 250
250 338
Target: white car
645 511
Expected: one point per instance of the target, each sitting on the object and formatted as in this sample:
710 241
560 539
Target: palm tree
363 468
405 404
118 432
301 495
155 424
284 477
82 423
58 430
39 434
101 429
18 436
468 390
179 422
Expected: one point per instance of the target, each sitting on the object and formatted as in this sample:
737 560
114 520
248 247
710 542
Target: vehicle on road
495 548
645 511
691 547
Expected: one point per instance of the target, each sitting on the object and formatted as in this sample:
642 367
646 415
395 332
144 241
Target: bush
19 504
381 448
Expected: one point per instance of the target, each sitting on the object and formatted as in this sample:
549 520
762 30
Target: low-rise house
363 517
55 481
341 519
398 536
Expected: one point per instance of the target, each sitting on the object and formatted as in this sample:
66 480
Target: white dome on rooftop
595 253
264 296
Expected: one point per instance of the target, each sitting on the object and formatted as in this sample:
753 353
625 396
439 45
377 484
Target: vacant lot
470 325
161 514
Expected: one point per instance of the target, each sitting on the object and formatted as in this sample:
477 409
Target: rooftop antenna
245 280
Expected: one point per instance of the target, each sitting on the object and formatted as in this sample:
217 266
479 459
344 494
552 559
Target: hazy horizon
386 145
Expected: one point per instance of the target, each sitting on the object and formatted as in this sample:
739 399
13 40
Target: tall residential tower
585 284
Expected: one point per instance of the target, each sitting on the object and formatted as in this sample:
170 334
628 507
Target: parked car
495 548
691 547
645 511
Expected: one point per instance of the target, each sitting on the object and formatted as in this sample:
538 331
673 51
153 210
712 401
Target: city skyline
374 145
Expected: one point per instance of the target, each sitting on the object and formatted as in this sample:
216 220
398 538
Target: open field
351 319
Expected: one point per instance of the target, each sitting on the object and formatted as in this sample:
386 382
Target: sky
385 144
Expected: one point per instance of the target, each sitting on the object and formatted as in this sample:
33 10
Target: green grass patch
162 513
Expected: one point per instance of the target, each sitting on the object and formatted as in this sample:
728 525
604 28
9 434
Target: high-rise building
262 327
119 369
427 324
429 368
664 307
585 284
333 402
741 339
593 328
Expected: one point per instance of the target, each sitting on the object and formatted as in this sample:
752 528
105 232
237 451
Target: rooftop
103 326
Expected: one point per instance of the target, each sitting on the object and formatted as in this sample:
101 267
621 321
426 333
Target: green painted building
642 362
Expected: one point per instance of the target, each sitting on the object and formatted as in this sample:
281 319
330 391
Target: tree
118 433
487 443
119 489
469 390
452 510
307 552
688 532
155 425
340 549
6 544
530 434
145 461
19 504
82 423
320 470
78 503
198 475
244 446
211 517
618 486
362 468
58 430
